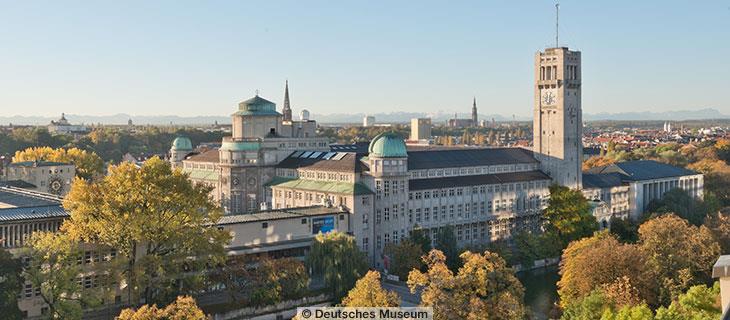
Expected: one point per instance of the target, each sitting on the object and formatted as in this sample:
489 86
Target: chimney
721 270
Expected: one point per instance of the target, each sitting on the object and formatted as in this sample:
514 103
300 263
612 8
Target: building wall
54 179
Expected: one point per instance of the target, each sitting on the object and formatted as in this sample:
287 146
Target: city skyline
202 59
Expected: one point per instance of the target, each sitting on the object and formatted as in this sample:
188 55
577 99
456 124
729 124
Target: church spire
287 107
474 113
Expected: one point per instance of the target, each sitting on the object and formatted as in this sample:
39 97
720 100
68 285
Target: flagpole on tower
557 20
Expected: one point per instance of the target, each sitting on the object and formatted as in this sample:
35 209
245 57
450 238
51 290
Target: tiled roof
601 180
642 170
37 164
276 214
474 180
207 156
356 188
28 213
468 157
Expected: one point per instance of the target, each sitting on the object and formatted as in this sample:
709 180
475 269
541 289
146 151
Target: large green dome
182 143
256 106
388 145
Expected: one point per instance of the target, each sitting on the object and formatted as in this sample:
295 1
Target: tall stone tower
474 120
286 111
558 119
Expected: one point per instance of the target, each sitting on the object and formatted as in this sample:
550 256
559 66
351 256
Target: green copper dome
182 143
256 106
388 145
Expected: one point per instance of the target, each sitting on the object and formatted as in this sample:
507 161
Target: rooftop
38 164
721 269
602 180
277 214
356 188
20 204
467 157
642 170
324 161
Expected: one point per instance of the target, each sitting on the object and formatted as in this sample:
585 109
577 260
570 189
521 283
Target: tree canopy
10 285
483 288
184 308
569 214
404 257
369 293
336 257
163 224
88 164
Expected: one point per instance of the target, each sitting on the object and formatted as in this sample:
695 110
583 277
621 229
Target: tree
157 219
336 257
678 202
369 293
404 257
569 213
446 243
88 164
419 237
184 308
54 270
10 285
625 230
531 247
699 302
678 255
599 261
719 224
483 288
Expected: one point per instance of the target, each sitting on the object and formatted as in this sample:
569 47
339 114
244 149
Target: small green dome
257 106
388 145
182 144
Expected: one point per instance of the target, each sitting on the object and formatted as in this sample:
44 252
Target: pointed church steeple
474 113
287 107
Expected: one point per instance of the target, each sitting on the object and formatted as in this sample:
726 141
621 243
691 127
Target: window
304 221
265 225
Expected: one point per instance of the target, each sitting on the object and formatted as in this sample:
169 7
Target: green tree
483 288
531 246
625 230
10 285
446 243
678 254
678 202
569 213
369 293
337 258
54 269
163 225
699 302
184 308
404 257
88 164
419 237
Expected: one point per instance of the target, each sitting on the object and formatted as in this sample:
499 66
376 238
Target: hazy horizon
191 58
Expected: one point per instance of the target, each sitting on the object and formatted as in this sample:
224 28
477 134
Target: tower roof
256 106
388 145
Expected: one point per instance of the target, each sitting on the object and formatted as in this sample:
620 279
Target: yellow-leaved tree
160 222
184 308
369 293
88 164
483 288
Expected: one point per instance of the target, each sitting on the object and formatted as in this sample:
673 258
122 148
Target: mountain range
392 117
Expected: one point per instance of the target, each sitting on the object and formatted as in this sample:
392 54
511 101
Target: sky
192 58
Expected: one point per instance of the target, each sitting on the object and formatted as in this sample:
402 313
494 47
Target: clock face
55 186
548 98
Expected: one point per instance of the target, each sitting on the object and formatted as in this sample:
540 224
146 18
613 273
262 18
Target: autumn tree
598 261
404 257
483 288
678 254
88 164
625 230
336 257
369 293
569 214
184 308
719 224
160 222
10 285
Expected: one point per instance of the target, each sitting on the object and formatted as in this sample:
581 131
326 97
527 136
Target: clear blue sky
203 57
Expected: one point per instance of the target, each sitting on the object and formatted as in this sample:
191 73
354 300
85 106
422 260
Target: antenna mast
557 20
